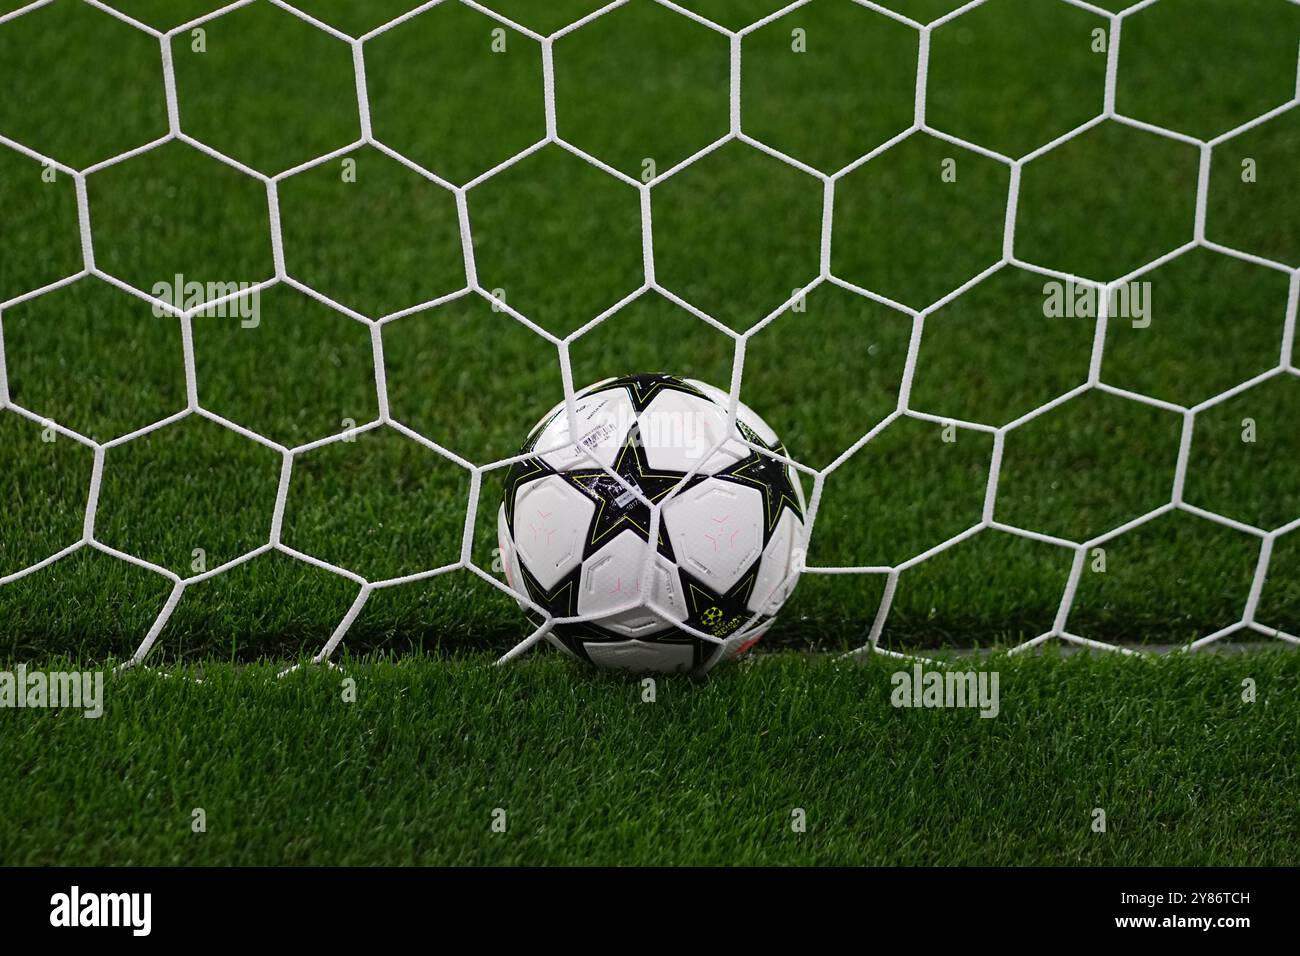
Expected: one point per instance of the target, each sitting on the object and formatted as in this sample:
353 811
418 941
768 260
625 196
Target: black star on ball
617 507
643 388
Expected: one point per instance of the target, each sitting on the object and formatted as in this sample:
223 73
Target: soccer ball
577 541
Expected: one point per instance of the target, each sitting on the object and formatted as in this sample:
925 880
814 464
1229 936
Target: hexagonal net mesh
1106 292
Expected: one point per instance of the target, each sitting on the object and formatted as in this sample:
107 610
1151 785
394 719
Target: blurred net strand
1104 291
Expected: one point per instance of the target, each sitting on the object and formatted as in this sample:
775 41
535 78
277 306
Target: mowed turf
734 234
586 771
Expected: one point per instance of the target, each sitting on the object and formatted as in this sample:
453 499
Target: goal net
285 285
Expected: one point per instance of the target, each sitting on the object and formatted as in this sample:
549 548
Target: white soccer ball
576 541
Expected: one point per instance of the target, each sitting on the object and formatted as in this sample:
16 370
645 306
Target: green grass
734 234
286 772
